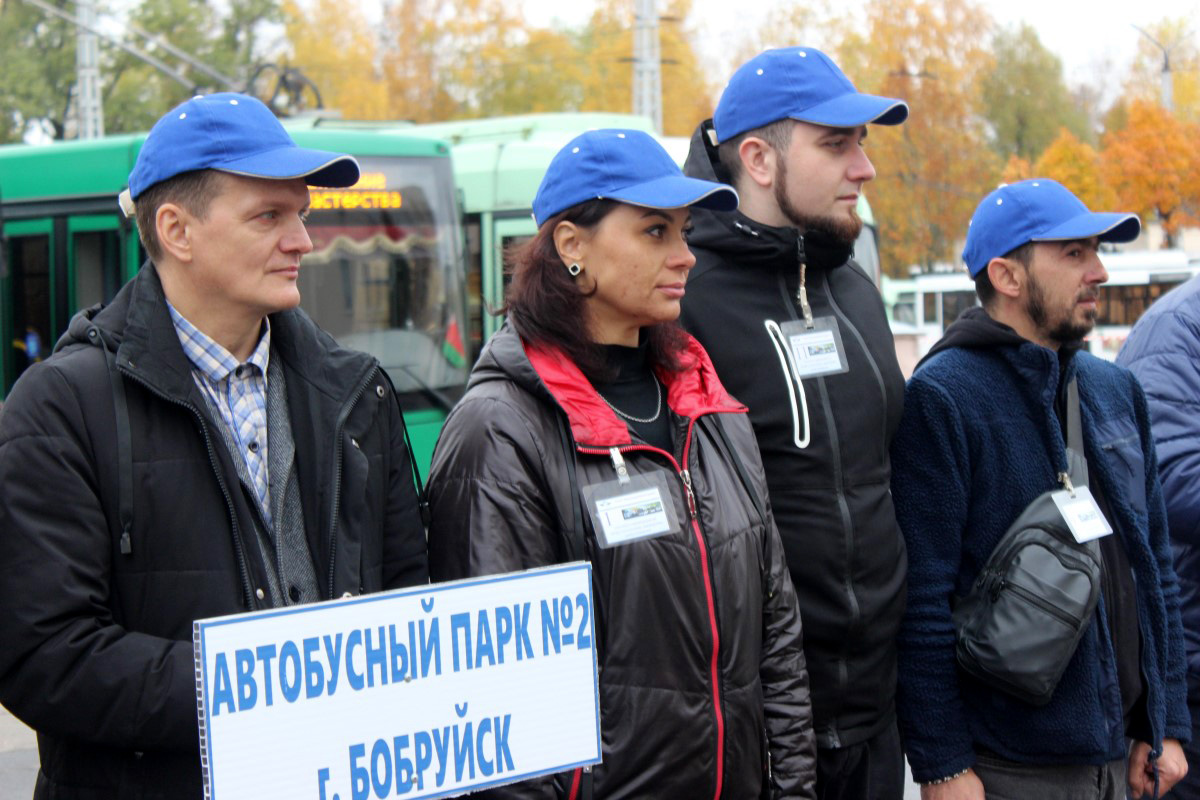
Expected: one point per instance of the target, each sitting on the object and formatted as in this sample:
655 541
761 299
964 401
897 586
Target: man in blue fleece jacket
1163 351
982 435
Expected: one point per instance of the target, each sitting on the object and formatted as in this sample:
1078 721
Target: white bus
922 307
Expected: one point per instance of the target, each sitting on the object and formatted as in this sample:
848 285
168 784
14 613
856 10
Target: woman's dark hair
546 305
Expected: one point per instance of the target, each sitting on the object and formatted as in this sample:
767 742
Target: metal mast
87 68
647 70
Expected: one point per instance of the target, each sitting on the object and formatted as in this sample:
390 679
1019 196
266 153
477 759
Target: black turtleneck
635 391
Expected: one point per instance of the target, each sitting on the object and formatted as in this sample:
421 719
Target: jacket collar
547 373
138 323
690 393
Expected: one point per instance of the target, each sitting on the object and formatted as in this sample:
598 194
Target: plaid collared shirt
238 392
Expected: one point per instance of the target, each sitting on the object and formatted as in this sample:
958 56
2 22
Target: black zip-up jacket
703 690
824 444
96 643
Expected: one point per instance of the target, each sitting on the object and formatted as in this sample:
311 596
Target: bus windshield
385 274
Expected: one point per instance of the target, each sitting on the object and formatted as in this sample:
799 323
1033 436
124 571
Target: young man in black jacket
196 448
798 333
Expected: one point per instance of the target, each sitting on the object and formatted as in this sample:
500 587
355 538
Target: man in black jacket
798 333
197 448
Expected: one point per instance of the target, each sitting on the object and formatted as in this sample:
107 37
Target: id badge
1082 514
816 351
638 508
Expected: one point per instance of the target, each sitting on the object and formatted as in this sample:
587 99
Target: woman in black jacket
593 428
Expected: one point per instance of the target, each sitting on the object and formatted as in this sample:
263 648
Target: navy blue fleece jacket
978 441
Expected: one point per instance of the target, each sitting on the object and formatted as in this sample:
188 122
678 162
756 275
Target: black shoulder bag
1023 618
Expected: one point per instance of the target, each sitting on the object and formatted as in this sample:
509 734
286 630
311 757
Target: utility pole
647 64
88 105
1168 95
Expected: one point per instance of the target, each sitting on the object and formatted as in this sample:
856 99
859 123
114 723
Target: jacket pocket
1121 447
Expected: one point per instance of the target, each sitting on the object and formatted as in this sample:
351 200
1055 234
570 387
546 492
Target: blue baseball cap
799 83
232 133
1038 210
625 165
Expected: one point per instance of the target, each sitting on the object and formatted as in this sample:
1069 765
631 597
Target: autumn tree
411 62
933 169
543 73
1016 169
1078 166
606 47
1025 100
335 47
1153 164
811 24
440 54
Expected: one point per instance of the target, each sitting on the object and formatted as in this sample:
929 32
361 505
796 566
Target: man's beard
843 231
1065 331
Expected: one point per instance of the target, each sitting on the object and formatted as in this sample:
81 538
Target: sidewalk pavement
18 758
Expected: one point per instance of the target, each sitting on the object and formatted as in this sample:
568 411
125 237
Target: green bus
386 274
498 164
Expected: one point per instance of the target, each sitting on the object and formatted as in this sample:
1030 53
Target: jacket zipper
243 571
709 590
843 675
1033 599
862 343
343 415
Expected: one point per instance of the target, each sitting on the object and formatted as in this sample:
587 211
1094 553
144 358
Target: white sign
424 692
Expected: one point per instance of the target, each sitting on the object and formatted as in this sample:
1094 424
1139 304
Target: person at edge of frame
197 448
1163 351
593 428
983 435
798 332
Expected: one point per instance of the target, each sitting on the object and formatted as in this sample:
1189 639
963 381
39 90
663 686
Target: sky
1095 40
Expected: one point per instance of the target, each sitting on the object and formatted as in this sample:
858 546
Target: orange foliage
335 46
1017 169
933 169
1153 164
1077 165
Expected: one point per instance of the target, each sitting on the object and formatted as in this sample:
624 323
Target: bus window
473 235
1124 305
953 304
929 308
29 271
385 277
97 273
507 245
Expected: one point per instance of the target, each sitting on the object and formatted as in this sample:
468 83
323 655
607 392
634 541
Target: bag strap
755 497
1075 435
422 496
124 441
1077 465
575 545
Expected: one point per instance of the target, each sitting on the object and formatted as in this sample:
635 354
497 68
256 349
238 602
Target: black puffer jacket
824 444
96 644
699 639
